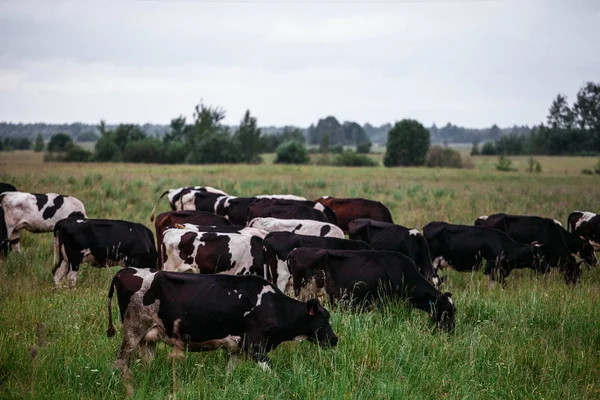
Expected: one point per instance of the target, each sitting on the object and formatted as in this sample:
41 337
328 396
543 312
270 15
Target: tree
475 148
560 115
292 152
364 147
324 146
107 149
249 140
59 142
39 143
126 133
587 111
488 149
407 144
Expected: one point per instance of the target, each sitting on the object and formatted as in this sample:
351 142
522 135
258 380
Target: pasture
535 338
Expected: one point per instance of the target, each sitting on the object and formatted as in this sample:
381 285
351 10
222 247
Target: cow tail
110 331
156 204
57 244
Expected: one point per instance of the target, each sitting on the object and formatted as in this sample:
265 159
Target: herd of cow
261 264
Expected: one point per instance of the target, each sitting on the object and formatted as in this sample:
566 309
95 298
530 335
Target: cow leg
60 271
72 278
255 348
15 241
232 363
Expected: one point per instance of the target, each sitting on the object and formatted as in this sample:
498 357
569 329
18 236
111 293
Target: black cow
234 208
265 203
4 243
100 242
347 210
586 225
188 198
364 276
278 245
558 245
387 236
205 312
171 218
282 211
464 248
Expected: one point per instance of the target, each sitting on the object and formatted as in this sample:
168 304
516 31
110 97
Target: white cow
300 226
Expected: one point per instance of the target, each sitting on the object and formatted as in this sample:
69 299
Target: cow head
77 215
443 312
318 328
571 270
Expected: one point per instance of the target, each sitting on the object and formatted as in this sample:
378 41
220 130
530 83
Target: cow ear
536 244
448 294
312 306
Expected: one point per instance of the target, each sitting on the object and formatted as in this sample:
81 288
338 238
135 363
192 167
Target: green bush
143 151
351 159
291 152
337 149
59 142
72 153
107 149
364 148
443 157
488 149
533 166
407 144
504 164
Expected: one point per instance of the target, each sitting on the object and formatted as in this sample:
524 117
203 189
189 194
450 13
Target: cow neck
291 318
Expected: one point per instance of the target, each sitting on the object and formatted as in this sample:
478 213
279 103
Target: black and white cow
393 237
464 247
234 208
278 245
191 250
300 226
4 243
36 212
586 225
366 277
205 312
100 243
185 198
281 196
558 246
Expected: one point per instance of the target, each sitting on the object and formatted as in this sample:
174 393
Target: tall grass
536 338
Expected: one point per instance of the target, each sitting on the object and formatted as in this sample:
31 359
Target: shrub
504 164
407 144
533 166
364 147
59 142
107 149
291 152
39 143
73 153
587 171
443 157
143 151
475 149
337 149
597 167
350 158
488 149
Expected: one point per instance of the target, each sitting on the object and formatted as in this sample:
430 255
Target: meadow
535 338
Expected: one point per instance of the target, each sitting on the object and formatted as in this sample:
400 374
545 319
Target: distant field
536 338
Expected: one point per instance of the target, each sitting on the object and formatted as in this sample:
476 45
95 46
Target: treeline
569 130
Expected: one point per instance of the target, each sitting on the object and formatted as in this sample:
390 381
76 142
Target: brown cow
347 210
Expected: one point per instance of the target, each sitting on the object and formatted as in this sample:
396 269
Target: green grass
537 338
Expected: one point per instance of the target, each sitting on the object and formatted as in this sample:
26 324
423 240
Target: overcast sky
473 63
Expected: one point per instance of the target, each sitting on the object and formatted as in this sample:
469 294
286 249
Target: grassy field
536 338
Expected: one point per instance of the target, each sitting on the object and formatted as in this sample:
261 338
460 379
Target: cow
348 210
188 250
300 226
235 209
464 248
388 236
184 198
259 209
331 217
36 212
171 218
586 225
281 196
203 312
365 277
278 245
558 245
100 243
4 243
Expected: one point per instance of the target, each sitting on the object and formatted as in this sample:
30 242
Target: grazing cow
205 312
259 209
465 247
558 245
233 208
187 250
281 196
278 245
300 226
36 212
185 198
347 210
586 225
100 243
365 276
387 236
171 218
4 243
